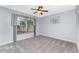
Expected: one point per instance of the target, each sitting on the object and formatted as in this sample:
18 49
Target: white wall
38 26
77 18
65 30
6 30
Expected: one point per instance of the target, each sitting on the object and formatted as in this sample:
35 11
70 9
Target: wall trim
5 43
8 42
59 38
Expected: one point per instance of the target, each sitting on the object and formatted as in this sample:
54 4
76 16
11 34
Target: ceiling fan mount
39 10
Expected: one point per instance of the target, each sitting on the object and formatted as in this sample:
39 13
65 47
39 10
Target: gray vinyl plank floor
39 44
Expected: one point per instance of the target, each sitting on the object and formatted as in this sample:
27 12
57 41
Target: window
24 25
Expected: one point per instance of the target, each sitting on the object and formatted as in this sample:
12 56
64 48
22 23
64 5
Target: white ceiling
52 9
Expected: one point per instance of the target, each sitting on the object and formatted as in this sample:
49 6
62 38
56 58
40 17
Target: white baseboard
4 43
60 38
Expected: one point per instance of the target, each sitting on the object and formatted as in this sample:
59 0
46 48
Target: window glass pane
24 25
29 25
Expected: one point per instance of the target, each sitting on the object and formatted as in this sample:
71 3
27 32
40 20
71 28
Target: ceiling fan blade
44 10
34 12
33 9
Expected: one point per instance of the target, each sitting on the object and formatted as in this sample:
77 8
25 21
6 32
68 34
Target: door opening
23 25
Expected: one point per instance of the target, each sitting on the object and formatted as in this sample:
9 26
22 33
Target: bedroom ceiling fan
39 10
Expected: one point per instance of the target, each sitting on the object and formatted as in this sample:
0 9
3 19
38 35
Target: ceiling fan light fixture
39 10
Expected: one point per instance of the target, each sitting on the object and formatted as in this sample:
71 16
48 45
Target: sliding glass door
24 27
